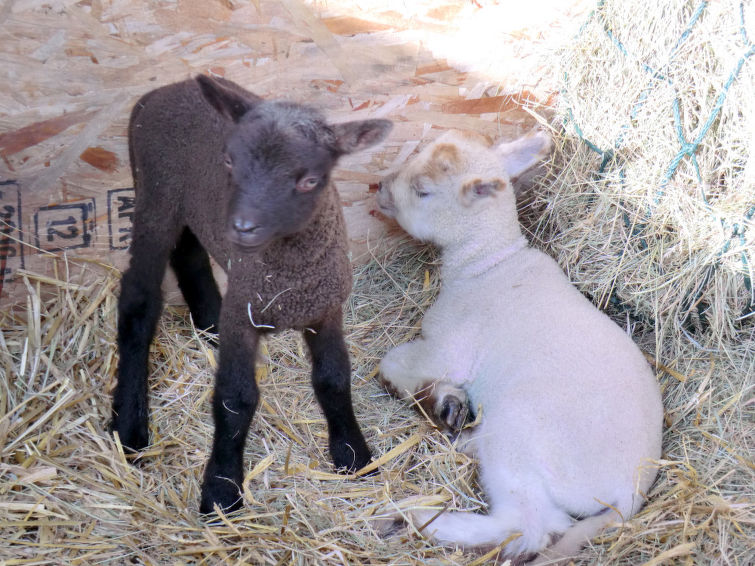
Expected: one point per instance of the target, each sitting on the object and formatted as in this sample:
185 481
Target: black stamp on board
120 216
66 226
11 246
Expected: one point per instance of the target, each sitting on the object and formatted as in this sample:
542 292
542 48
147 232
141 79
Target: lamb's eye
307 184
419 190
227 161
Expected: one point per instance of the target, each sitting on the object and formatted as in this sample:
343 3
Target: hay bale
652 207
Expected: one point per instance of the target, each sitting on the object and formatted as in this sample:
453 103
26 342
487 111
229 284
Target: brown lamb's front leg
233 406
331 379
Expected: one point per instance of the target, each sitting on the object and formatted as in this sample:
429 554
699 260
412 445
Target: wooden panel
72 71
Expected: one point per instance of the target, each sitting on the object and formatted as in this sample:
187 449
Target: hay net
652 207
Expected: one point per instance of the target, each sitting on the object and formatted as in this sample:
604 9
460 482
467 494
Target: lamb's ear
232 105
445 160
479 189
360 134
524 153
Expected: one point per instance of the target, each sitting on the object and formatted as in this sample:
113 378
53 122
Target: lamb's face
279 164
279 156
444 192
459 185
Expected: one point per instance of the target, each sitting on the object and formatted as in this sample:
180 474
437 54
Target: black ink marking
11 247
65 226
120 216
70 230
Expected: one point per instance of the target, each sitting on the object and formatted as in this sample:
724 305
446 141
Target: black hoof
134 436
223 492
352 456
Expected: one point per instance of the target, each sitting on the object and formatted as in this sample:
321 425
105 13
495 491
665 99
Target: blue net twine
687 150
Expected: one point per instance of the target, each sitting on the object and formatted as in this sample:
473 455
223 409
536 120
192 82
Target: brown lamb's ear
360 134
231 104
479 189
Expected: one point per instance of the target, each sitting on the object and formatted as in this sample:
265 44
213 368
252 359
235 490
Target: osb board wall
71 72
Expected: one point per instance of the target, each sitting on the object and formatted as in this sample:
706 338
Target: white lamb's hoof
396 523
451 407
389 526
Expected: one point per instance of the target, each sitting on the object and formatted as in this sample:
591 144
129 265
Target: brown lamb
218 169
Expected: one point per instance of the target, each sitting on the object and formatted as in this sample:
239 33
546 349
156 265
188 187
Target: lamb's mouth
385 204
390 212
249 242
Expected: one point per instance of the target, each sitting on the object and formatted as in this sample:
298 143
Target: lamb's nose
241 224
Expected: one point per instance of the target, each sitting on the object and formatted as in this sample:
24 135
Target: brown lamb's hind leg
139 307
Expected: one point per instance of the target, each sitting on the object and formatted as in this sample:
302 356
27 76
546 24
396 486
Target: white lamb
571 412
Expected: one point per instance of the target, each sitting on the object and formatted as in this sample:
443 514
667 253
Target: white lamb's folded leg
415 370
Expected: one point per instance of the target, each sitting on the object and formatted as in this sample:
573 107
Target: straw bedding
68 495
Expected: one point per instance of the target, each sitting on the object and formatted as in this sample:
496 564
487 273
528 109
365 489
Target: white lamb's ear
524 153
478 189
